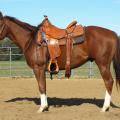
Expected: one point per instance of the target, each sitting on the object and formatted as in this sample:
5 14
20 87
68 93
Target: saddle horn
46 17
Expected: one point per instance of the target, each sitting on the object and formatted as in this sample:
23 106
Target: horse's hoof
42 109
105 109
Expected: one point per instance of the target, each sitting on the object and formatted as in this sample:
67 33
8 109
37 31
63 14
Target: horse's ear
1 15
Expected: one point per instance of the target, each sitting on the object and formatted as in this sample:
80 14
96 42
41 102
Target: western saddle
54 37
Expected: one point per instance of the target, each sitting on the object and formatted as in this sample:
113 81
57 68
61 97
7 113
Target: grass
21 69
15 69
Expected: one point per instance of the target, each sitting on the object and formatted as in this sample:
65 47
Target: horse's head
3 27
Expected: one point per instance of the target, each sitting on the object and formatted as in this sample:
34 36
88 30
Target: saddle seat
58 33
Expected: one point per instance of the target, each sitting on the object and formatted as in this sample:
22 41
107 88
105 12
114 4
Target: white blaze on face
106 101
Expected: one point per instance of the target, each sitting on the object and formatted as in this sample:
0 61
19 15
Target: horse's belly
78 57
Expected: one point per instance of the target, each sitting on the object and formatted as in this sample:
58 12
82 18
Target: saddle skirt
77 35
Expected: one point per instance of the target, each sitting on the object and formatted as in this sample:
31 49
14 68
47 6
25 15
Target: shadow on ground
59 102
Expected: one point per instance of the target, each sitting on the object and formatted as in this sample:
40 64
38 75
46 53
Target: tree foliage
5 50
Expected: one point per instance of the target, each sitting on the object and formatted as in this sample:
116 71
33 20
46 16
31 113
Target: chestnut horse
101 45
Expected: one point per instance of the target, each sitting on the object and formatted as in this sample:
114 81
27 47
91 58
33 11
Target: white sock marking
106 101
44 102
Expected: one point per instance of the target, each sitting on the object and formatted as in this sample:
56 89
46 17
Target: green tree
5 52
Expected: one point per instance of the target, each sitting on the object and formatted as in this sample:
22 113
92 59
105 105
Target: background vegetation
5 52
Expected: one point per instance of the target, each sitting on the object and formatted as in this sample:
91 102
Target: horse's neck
17 34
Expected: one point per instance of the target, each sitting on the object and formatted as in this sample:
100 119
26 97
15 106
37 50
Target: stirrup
53 67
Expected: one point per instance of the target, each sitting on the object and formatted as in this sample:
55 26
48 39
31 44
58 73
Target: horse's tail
116 63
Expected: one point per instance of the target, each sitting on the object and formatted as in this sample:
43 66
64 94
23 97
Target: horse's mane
22 24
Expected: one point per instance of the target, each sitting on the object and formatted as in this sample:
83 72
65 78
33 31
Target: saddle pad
76 40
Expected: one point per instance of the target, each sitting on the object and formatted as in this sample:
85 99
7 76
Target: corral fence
13 64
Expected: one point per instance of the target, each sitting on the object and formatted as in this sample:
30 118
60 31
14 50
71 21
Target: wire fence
13 64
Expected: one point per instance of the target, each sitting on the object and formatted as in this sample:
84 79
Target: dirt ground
68 99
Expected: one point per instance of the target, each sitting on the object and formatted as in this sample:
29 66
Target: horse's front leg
41 79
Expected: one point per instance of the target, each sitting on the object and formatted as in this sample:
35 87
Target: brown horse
101 45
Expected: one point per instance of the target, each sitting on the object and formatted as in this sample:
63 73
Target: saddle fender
54 51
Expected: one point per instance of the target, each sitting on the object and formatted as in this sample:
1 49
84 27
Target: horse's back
96 30
100 41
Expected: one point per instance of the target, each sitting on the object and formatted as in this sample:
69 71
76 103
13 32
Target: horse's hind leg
41 79
108 80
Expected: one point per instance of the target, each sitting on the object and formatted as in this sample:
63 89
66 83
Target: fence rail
18 68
